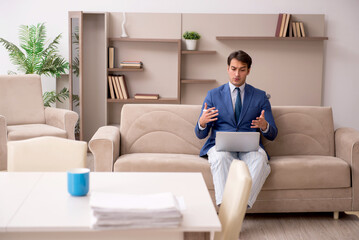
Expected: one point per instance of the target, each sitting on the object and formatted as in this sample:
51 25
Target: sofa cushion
163 162
307 172
21 99
160 128
26 131
302 131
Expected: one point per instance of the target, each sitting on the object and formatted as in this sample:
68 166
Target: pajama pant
257 162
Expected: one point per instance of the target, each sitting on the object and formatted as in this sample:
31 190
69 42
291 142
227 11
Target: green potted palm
191 39
33 57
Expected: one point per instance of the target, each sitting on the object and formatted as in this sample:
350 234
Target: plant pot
191 44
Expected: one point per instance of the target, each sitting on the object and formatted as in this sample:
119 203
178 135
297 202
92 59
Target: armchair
23 115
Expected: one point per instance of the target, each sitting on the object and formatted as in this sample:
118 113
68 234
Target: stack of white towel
115 210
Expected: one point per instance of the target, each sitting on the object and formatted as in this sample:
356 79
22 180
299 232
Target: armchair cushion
26 131
21 99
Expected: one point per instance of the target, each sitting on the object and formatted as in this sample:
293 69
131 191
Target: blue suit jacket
255 100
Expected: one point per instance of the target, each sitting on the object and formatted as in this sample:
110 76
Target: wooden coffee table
38 206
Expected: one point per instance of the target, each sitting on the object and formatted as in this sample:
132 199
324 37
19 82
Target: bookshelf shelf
125 69
272 38
130 47
167 40
197 81
199 52
132 100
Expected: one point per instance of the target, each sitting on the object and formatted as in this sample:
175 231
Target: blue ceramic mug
78 181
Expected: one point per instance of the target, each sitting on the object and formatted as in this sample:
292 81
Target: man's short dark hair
240 56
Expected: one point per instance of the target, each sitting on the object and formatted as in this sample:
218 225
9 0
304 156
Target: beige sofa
314 168
23 115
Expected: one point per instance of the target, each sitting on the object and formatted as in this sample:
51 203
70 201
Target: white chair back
234 203
46 154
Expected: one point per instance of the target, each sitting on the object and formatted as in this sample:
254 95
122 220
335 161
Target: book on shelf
302 29
131 64
120 92
286 27
298 29
110 86
111 57
115 87
282 25
146 96
290 31
285 31
123 86
294 30
279 23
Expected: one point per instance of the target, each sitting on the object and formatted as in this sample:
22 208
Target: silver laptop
237 141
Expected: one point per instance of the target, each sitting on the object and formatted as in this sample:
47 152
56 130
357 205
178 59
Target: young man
236 107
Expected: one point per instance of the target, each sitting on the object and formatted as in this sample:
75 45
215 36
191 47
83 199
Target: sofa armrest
105 147
3 143
62 118
347 148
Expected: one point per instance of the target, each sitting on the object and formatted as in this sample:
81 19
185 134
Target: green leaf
36 57
17 57
191 35
52 97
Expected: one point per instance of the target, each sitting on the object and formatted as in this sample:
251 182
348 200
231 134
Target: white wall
341 63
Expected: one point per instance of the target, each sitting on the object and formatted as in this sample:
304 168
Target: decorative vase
124 34
191 44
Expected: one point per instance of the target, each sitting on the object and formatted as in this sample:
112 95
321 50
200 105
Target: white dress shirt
234 93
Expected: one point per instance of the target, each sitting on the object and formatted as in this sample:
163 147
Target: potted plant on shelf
191 39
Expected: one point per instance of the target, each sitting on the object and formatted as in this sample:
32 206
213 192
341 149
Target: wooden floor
297 226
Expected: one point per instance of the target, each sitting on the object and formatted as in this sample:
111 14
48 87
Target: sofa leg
336 215
356 213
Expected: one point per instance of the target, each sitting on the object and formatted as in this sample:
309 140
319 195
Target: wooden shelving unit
272 38
181 76
197 81
168 40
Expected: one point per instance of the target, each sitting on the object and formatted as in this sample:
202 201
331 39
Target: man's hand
208 115
260 122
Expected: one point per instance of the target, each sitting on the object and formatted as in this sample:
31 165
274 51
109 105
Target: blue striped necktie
238 105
